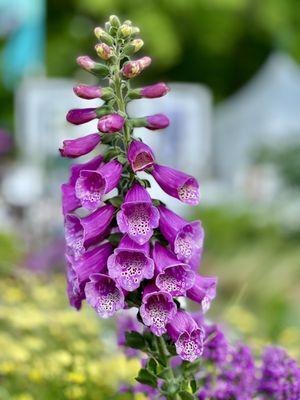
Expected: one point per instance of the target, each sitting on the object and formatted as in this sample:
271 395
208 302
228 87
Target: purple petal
69 200
140 156
154 91
79 147
88 92
81 115
157 121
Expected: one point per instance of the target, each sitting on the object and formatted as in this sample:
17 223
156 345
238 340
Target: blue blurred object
23 22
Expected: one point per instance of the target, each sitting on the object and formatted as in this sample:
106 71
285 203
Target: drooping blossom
177 184
78 147
187 336
186 238
111 123
203 291
130 264
92 185
80 233
104 295
172 276
157 310
140 156
138 217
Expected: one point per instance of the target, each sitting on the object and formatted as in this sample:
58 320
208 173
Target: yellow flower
76 377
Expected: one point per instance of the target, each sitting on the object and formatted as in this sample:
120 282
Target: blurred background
233 66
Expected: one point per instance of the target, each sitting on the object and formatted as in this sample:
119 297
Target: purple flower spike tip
177 184
203 291
111 123
140 156
157 310
80 116
92 185
78 147
130 264
187 335
172 276
104 295
138 217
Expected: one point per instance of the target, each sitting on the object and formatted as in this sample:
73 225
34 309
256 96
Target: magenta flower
140 156
187 335
104 295
69 200
157 310
91 262
78 147
152 122
88 92
75 293
138 217
177 184
111 123
80 233
172 276
79 116
153 91
132 69
92 185
203 291
130 264
186 239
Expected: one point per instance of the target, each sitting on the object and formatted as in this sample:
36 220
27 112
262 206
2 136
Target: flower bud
125 30
111 123
98 32
150 91
78 147
133 46
132 69
86 63
104 51
114 21
103 36
93 92
152 122
80 116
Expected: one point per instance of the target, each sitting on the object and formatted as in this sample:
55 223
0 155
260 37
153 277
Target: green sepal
103 110
147 378
135 340
134 94
116 201
164 373
186 395
100 70
114 238
152 366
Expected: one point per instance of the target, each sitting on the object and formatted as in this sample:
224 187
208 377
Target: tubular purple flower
187 335
132 69
130 264
92 185
172 276
177 184
80 233
140 156
203 291
157 310
111 123
78 147
79 116
185 238
88 92
91 262
154 91
104 295
138 217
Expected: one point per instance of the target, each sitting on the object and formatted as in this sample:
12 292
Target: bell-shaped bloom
157 309
177 184
132 69
104 295
92 92
89 65
78 147
75 293
91 262
80 233
111 123
203 291
138 217
79 116
187 336
92 185
152 122
172 276
140 156
69 200
154 91
185 238
130 264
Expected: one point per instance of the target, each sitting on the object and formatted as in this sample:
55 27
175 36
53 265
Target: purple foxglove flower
92 185
177 184
153 122
91 262
69 200
104 295
132 69
83 232
138 216
203 291
185 238
157 310
78 147
140 156
187 335
154 91
79 116
111 123
75 293
86 63
130 264
173 276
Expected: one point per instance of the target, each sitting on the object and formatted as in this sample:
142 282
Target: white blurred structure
265 111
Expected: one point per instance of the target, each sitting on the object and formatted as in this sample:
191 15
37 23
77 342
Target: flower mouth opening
131 266
190 345
189 192
175 280
138 216
90 187
142 161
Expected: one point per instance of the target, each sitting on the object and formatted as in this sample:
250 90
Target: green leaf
186 395
164 373
114 238
147 378
116 201
152 366
135 340
194 385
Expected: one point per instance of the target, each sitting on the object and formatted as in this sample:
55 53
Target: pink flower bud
80 116
153 91
78 147
104 51
132 69
111 123
157 121
88 92
90 65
